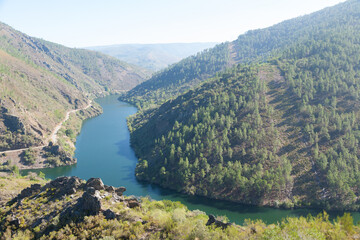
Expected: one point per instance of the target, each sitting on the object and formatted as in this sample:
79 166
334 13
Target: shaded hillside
285 132
40 81
70 208
256 45
153 56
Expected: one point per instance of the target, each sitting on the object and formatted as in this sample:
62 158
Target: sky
83 23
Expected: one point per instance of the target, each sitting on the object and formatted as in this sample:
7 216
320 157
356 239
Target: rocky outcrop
13 123
64 186
75 199
29 191
90 202
120 190
109 214
132 203
217 223
96 183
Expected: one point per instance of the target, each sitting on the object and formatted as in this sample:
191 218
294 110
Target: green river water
103 150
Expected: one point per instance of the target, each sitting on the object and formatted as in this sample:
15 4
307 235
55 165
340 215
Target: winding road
53 136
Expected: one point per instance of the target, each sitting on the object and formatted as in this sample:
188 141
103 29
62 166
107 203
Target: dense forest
179 77
285 131
253 46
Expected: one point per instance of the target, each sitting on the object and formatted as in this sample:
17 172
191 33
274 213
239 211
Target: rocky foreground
70 208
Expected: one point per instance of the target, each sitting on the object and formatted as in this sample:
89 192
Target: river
103 150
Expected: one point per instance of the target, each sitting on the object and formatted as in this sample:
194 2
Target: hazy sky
80 23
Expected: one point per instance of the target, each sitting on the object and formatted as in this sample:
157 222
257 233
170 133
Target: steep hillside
180 77
284 132
256 45
70 208
40 81
153 56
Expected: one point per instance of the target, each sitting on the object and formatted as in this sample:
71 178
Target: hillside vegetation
255 45
153 57
285 132
40 81
69 208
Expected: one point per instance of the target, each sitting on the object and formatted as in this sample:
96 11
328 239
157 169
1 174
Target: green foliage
202 153
157 220
253 46
29 156
184 75
70 133
283 132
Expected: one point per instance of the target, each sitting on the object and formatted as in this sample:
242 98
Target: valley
255 138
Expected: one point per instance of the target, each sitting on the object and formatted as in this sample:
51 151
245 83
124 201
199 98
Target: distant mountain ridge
253 46
41 80
153 56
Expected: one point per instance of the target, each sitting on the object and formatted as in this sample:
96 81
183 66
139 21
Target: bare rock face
96 183
64 185
110 189
27 192
117 198
109 214
90 202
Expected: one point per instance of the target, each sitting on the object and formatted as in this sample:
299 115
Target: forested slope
253 46
40 81
281 132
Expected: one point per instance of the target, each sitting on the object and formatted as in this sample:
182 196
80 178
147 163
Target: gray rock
109 214
95 183
65 185
15 222
29 191
91 190
117 198
110 189
132 203
217 223
91 204
120 190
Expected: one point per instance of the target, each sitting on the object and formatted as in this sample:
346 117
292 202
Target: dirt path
53 136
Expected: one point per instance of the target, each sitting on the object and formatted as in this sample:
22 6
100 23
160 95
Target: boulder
120 190
110 189
91 190
117 198
217 223
132 203
15 222
109 214
91 204
96 183
64 185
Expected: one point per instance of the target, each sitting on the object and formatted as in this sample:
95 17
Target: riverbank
103 150
57 150
70 207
